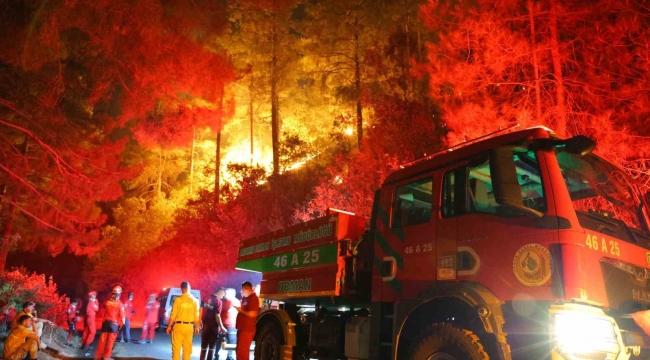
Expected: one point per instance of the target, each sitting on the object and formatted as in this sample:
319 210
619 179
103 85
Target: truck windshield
601 194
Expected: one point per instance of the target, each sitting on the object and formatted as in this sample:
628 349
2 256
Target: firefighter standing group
222 318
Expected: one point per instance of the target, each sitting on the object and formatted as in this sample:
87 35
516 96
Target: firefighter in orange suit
112 321
150 320
71 316
185 322
90 328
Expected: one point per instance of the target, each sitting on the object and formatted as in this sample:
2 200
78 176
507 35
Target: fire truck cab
518 245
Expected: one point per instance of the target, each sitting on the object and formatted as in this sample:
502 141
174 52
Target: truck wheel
445 342
268 345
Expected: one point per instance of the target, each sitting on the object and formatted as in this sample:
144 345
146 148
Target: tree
264 28
582 62
340 52
51 128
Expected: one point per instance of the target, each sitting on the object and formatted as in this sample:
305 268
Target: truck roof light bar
466 143
331 211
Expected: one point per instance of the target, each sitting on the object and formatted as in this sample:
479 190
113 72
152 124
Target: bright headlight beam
578 334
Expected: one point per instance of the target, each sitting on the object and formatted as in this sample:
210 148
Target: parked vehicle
518 245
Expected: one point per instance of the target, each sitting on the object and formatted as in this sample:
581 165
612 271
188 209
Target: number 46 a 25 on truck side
517 245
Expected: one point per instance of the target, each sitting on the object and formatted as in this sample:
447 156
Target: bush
18 286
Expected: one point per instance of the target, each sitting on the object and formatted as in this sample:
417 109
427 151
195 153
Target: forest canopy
135 132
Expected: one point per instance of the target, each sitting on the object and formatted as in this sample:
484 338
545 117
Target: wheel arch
282 321
468 304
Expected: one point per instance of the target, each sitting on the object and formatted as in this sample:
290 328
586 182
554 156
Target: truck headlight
579 335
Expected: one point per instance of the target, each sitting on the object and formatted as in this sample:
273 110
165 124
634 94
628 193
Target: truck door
504 249
414 226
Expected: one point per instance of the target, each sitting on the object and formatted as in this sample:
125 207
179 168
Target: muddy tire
445 342
269 342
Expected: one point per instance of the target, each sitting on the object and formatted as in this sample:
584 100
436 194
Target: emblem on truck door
532 265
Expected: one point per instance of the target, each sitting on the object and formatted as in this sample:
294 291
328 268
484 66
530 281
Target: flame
349 131
240 154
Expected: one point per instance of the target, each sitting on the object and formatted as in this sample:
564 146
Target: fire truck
517 245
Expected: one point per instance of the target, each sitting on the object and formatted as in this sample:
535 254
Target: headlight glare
585 336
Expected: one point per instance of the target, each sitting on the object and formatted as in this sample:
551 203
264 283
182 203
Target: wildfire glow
349 131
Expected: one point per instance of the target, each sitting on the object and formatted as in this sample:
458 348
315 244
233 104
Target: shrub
18 286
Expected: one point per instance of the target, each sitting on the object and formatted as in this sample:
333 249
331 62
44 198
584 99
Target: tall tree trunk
419 44
275 120
357 82
217 165
3 192
5 241
160 174
6 233
251 118
533 43
192 160
560 126
217 173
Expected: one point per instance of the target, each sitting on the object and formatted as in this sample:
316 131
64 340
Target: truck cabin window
602 196
468 189
412 203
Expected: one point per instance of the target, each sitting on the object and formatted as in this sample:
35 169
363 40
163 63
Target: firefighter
211 324
125 332
150 319
37 323
185 313
22 343
90 326
229 318
250 307
111 323
71 317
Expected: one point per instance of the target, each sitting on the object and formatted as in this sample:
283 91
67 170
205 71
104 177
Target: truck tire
446 342
268 345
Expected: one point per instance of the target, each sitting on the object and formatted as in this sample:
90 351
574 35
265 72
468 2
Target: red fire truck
518 245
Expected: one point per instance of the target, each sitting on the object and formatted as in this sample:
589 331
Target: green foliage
140 226
18 286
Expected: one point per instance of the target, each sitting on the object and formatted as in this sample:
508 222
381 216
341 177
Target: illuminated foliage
495 64
19 286
110 112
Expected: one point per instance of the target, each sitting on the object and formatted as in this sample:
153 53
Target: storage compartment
327 336
357 338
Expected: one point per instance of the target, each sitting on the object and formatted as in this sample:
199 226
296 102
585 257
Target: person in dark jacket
212 325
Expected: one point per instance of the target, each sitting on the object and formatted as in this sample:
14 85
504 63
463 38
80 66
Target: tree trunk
217 174
192 161
560 126
533 42
251 118
160 174
5 241
357 82
3 192
217 165
6 233
275 121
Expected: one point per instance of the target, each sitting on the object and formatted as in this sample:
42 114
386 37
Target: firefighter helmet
92 293
117 290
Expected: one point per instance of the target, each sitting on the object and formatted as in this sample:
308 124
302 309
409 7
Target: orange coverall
90 327
113 320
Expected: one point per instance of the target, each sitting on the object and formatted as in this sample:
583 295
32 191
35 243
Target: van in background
166 298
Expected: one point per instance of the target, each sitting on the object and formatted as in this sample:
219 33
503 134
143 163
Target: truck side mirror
579 145
507 191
